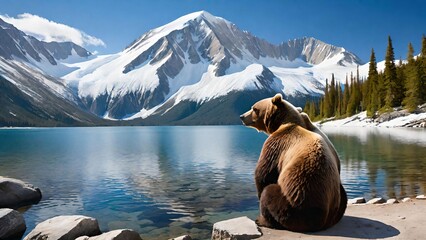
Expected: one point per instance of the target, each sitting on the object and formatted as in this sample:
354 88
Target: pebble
421 197
392 201
357 200
376 201
184 237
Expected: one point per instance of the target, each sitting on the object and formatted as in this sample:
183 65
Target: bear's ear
277 99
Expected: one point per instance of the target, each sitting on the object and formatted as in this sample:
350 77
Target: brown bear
298 172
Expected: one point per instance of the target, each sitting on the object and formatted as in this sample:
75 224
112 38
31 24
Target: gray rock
421 197
121 234
236 228
407 199
65 228
15 193
391 201
357 200
376 201
12 224
391 115
184 237
82 238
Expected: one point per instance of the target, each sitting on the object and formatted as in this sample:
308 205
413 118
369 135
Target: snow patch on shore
361 120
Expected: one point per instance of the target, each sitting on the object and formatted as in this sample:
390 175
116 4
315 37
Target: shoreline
361 120
368 221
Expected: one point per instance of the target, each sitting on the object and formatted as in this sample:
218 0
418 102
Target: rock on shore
121 234
236 228
12 224
15 193
65 228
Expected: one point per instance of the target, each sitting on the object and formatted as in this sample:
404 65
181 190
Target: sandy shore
368 221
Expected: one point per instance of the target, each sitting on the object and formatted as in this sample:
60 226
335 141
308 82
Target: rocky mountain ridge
199 58
189 71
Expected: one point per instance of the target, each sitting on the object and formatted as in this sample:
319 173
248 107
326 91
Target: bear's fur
298 172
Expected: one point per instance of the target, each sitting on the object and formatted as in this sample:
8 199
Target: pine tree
326 101
381 89
351 108
313 111
346 96
332 98
412 95
321 107
410 54
394 87
402 82
421 68
339 100
307 108
359 91
372 85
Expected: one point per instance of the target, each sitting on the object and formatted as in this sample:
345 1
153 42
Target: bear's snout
246 118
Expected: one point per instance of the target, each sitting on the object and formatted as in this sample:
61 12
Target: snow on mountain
363 69
199 58
50 57
29 97
18 73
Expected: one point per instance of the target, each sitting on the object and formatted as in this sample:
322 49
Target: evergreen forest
401 84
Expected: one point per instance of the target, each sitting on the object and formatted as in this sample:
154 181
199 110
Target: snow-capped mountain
199 59
47 56
29 96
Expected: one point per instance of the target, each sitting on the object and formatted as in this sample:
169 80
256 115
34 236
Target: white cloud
48 31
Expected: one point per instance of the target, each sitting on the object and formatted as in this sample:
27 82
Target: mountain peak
186 19
48 56
200 15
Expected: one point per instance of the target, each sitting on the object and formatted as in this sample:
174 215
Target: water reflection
159 181
380 161
169 181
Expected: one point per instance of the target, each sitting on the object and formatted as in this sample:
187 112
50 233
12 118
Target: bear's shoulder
294 131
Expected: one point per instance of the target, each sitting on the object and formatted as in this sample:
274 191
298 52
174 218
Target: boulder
12 224
357 200
65 228
421 197
236 228
15 193
391 201
385 117
184 237
376 201
121 234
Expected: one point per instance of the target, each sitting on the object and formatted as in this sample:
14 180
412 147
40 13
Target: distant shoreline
396 119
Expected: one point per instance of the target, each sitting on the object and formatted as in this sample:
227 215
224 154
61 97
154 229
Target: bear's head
269 114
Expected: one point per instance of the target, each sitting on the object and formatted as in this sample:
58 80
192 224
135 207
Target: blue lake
169 181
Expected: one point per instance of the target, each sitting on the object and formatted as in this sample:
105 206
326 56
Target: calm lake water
169 181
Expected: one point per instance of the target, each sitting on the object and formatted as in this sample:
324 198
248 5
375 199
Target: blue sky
357 25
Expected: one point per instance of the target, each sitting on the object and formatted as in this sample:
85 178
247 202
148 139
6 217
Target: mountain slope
28 97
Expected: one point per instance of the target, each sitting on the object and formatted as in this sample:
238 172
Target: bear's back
307 167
